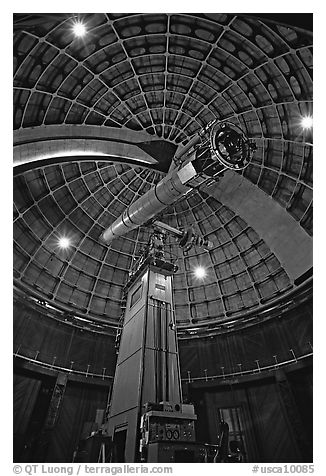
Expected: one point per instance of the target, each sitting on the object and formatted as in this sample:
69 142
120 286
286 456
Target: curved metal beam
281 232
45 142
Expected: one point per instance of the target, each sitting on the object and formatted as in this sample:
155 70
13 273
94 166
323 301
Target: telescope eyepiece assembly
230 146
223 146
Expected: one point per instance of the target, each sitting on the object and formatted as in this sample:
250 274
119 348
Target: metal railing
54 366
241 373
35 357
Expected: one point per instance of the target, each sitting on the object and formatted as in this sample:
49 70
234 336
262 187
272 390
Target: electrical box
161 423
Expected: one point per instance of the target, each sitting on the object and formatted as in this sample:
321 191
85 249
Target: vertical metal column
166 362
148 364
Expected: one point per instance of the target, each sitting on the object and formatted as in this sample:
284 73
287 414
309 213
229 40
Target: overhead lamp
200 272
64 242
307 122
79 29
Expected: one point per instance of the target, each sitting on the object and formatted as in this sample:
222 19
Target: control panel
166 422
167 432
175 429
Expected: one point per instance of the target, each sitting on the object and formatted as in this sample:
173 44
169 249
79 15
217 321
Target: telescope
217 147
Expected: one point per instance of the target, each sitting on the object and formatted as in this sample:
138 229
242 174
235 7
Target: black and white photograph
162 241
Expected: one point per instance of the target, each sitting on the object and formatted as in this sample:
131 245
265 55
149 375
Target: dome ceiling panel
165 75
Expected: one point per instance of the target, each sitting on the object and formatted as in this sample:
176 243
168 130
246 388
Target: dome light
64 242
200 272
79 29
306 122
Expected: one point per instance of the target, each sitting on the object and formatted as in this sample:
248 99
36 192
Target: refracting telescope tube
219 146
